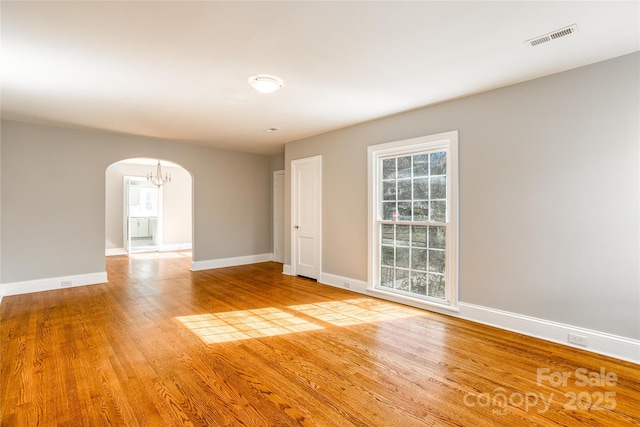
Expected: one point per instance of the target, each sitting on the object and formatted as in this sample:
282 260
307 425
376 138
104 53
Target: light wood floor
160 345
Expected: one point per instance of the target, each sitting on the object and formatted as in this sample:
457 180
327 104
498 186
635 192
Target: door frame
317 161
126 181
278 216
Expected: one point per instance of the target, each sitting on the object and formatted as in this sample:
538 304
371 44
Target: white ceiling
178 70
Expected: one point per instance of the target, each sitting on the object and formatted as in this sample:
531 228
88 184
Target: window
413 219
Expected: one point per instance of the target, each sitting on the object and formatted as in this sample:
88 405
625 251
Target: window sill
414 302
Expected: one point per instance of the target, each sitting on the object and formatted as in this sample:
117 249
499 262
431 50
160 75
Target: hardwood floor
160 345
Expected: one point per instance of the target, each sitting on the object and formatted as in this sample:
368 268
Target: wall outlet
347 285
578 339
66 283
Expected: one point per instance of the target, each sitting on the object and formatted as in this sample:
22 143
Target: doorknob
296 227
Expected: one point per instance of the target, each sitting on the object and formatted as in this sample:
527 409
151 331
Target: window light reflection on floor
355 311
214 328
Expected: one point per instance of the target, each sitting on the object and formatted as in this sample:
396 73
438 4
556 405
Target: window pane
436 237
388 190
404 211
402 235
438 187
402 257
421 165
386 277
402 279
439 163
388 211
421 189
404 189
387 256
421 211
404 167
413 190
387 234
419 236
389 169
419 259
436 261
436 286
418 283
439 211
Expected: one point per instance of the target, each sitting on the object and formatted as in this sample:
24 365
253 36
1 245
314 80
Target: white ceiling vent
562 32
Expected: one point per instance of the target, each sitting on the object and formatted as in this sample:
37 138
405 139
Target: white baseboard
598 342
52 283
286 269
115 251
163 248
229 262
175 247
343 282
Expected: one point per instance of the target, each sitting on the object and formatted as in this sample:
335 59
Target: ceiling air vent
562 32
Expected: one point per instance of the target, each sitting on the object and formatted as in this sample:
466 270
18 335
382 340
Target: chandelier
158 179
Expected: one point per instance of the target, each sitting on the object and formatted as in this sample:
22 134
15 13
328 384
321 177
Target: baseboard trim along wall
597 342
162 248
230 262
52 283
175 247
115 251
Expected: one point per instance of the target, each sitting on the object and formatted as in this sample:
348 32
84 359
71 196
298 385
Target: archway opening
141 218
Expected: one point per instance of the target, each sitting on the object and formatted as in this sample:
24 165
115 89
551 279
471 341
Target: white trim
229 262
355 285
115 251
52 283
175 247
162 248
278 237
446 141
599 342
362 287
287 269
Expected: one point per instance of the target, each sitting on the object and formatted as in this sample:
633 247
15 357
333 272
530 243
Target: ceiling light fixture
158 180
265 84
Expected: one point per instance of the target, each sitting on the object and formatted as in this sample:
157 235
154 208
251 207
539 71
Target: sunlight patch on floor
355 311
214 328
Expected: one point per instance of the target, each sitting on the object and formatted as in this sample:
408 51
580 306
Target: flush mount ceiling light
265 84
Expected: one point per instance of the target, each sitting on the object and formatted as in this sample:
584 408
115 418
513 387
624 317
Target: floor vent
552 36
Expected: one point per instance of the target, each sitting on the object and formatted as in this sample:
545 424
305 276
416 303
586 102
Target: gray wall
176 204
53 198
549 194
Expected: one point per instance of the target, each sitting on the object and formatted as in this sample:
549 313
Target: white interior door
305 216
278 216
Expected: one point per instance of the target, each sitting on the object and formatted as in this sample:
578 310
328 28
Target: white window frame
446 141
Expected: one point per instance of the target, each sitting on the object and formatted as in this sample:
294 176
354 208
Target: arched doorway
162 219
